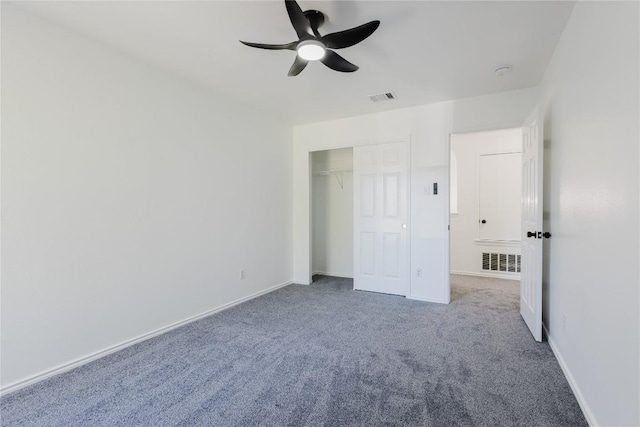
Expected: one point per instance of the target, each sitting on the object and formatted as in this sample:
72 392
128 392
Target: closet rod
339 174
329 172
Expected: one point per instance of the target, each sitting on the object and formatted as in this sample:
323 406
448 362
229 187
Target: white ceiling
424 51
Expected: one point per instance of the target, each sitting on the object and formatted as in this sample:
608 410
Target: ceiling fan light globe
311 50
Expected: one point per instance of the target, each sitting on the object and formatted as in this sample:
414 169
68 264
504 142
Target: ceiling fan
311 46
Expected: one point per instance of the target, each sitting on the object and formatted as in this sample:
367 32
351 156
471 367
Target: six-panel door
380 225
531 273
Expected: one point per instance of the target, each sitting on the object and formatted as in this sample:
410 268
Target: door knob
484 221
531 234
404 225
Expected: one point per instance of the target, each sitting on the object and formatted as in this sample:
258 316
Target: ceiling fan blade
337 62
298 65
298 20
348 38
287 46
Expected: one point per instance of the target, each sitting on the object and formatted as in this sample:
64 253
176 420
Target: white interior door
500 196
531 272
380 226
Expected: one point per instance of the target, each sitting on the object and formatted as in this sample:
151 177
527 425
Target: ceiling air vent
387 96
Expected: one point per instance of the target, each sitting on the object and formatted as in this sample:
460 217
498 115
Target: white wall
332 213
591 276
428 128
130 198
466 247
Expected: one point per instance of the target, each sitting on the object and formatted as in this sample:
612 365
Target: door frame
465 132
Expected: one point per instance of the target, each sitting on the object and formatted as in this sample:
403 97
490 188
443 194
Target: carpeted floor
322 355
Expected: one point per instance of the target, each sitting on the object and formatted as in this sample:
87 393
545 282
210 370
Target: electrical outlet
418 272
242 274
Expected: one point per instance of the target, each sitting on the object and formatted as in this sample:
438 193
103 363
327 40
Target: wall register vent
508 263
387 96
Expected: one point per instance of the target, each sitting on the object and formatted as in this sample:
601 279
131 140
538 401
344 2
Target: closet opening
332 213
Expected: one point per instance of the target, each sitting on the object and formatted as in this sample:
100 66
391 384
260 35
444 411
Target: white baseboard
324 273
506 276
425 299
591 419
91 357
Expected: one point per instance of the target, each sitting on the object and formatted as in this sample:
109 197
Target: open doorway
485 212
332 213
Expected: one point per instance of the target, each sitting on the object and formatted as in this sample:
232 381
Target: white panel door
531 270
380 225
500 196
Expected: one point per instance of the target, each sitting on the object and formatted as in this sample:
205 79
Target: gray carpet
322 355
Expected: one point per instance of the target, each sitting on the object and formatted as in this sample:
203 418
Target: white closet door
381 229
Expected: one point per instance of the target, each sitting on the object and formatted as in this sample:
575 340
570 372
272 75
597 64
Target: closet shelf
338 173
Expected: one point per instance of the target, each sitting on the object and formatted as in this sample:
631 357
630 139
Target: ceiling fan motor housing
315 18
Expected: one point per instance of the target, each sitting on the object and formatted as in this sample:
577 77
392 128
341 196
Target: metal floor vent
387 96
509 263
